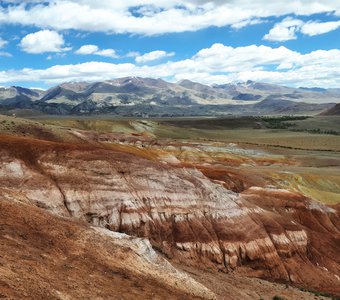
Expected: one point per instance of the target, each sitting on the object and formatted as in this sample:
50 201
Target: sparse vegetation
280 122
317 131
284 118
317 293
278 298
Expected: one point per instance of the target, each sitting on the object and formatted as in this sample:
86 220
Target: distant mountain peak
133 95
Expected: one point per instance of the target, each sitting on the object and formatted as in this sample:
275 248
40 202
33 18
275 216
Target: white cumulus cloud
288 28
284 31
87 49
43 41
315 28
153 55
94 50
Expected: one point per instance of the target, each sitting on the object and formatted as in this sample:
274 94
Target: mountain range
136 96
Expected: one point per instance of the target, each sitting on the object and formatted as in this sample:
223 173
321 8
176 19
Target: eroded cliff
262 232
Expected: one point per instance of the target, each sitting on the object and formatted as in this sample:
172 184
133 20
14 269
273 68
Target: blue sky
294 43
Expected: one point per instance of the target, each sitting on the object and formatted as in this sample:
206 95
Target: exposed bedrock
268 233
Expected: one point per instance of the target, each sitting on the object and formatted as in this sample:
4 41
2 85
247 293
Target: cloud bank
152 17
216 64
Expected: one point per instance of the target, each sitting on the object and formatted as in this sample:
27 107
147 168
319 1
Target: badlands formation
106 215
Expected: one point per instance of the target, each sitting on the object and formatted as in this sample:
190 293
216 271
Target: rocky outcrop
261 232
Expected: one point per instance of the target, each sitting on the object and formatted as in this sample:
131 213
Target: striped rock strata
268 233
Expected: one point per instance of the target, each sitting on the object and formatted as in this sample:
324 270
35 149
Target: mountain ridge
129 96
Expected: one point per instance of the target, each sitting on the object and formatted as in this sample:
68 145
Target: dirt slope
48 257
213 209
44 256
262 232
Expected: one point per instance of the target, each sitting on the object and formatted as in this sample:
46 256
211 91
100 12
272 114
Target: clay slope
48 257
266 233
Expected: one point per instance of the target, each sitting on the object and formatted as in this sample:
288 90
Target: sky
288 42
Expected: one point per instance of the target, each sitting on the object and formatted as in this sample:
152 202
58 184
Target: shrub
278 298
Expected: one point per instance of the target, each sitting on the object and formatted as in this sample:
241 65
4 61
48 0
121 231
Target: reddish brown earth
200 217
43 256
48 257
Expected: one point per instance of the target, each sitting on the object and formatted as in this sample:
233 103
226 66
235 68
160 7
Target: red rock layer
268 233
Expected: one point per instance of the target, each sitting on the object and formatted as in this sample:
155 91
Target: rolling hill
333 111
